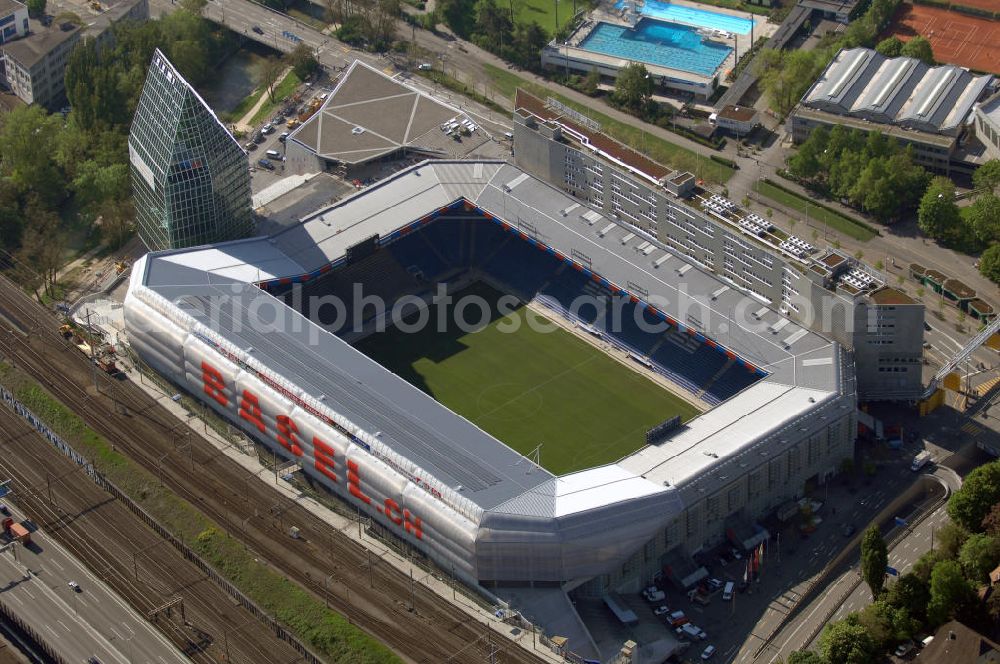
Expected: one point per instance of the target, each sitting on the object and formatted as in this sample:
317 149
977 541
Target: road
77 625
842 595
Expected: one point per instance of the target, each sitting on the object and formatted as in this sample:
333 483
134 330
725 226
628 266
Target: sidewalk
347 527
243 124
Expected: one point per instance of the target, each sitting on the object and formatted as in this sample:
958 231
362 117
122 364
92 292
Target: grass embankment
534 384
328 632
453 84
282 90
837 222
658 149
543 12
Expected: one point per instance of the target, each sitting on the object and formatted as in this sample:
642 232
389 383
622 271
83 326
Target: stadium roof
369 115
804 369
901 91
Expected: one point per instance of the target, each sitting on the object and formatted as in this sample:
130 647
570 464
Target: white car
661 610
708 652
74 586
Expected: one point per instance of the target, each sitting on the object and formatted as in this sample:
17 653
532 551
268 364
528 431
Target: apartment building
34 67
13 20
831 293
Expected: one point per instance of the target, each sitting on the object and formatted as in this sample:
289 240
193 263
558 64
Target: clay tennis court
956 38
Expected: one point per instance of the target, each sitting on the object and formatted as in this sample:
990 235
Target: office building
190 177
13 20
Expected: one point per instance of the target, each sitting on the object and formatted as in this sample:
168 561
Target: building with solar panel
918 105
190 177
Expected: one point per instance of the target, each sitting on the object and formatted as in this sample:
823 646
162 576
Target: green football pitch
529 387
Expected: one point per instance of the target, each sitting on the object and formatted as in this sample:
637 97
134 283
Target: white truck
920 460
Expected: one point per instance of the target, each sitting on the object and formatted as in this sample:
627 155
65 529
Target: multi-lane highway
78 625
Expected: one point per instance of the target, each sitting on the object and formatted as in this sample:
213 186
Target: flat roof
29 51
889 295
369 115
901 133
738 113
8 7
803 367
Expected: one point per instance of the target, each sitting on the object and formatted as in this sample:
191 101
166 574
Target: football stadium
528 392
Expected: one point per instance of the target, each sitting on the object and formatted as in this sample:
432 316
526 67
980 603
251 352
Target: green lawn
543 12
285 88
528 387
835 221
658 149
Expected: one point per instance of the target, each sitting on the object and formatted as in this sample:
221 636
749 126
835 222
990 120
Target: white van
727 592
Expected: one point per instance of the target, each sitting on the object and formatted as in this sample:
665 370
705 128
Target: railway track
323 560
127 555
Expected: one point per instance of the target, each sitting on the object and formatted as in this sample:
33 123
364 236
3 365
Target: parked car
658 596
4 509
708 652
677 618
250 146
661 610
903 649
283 137
736 553
691 631
267 129
713 584
649 591
265 163
275 155
257 29
727 591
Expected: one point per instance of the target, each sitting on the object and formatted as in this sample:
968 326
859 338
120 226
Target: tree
270 71
36 8
950 592
352 31
991 523
117 222
910 593
194 6
925 565
989 263
979 492
847 642
950 537
633 87
804 657
890 47
874 559
918 48
27 141
983 217
302 61
987 176
591 83
938 216
42 245
979 556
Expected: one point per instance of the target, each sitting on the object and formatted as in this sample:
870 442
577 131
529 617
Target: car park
708 652
265 163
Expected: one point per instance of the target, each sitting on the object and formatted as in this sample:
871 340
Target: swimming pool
655 42
691 16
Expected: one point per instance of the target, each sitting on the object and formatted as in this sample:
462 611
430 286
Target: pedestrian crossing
972 429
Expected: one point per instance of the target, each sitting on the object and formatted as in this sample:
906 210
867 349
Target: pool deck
606 13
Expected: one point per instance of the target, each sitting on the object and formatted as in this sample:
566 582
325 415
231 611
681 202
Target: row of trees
369 24
941 587
870 170
495 29
917 47
785 75
63 178
970 228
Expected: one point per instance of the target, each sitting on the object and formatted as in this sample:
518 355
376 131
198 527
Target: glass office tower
190 177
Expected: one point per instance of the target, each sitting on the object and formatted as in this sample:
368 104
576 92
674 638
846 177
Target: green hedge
723 160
